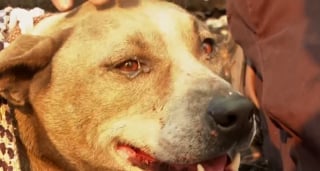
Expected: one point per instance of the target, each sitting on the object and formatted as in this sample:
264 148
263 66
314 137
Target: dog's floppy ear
19 62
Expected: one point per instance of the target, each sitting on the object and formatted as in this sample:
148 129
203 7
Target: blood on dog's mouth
146 162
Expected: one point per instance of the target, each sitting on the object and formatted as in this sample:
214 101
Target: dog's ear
19 62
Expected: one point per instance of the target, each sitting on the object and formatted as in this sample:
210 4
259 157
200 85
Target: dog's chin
138 158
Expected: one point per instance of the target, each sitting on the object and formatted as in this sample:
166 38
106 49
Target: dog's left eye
128 66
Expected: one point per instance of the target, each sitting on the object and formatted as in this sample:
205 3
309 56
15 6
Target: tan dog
122 87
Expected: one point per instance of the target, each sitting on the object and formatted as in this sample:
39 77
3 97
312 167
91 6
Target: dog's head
124 88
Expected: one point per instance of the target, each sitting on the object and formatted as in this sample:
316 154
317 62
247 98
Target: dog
124 86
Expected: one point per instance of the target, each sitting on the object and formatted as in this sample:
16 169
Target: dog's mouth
145 161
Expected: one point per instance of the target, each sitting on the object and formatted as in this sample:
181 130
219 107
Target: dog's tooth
200 167
235 163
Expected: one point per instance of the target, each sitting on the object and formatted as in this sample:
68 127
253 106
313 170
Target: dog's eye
208 46
132 67
129 66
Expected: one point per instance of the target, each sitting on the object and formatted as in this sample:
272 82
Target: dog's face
125 88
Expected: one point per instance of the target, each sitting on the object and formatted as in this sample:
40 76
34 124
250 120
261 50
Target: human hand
63 5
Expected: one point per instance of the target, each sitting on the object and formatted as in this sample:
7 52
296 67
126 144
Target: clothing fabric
281 39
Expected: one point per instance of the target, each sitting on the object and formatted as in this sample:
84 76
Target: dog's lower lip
141 159
135 155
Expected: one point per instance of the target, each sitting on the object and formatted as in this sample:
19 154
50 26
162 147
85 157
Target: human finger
63 5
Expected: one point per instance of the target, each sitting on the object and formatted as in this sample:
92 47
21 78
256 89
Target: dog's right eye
208 46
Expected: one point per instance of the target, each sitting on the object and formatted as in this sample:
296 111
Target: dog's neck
35 148
23 143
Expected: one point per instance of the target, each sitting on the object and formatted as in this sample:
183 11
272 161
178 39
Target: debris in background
17 21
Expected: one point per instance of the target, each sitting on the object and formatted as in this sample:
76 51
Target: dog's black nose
231 113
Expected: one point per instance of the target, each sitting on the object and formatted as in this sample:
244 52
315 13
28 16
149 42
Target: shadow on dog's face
127 89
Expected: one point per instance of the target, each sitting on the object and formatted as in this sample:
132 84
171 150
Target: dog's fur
74 101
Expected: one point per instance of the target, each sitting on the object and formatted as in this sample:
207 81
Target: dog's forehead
168 32
157 17
161 17
170 19
153 23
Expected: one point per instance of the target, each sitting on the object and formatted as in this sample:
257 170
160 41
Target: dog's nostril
225 120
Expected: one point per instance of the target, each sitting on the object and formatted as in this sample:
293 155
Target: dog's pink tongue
217 164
